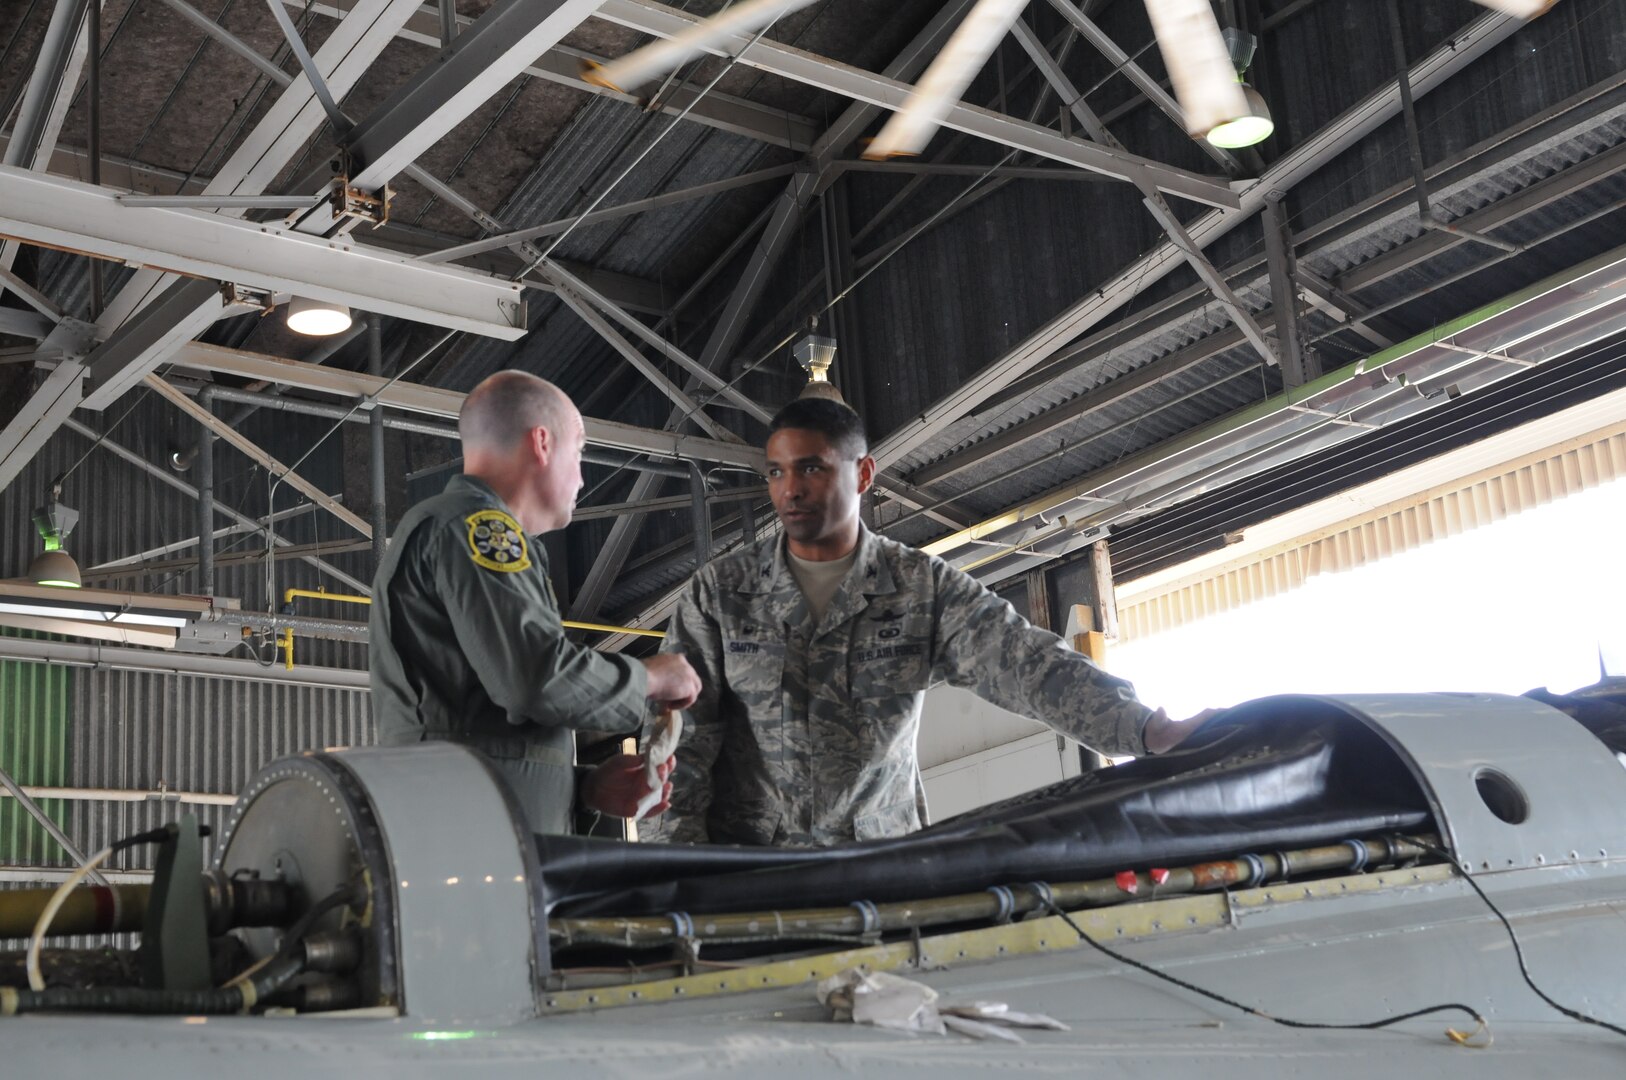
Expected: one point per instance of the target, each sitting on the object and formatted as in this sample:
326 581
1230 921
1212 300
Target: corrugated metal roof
1349 252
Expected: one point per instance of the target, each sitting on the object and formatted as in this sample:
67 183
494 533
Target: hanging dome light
317 318
54 522
57 568
1252 127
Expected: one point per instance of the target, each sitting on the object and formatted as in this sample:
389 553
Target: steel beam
165 476
293 118
1317 290
878 90
698 370
45 822
31 141
28 324
563 65
27 432
51 85
68 214
1154 203
781 228
783 222
180 313
1323 294
1278 252
494 50
629 352
949 168
609 213
1478 38
433 401
126 565
32 297
258 455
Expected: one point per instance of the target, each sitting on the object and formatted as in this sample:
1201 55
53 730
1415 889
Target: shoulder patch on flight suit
496 542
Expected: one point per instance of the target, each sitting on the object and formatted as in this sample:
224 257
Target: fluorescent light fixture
94 615
1199 64
317 318
912 127
1524 9
103 614
1246 130
642 65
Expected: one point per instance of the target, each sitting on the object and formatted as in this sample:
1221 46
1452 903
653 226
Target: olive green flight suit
466 646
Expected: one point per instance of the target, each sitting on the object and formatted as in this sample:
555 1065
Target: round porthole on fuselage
1502 796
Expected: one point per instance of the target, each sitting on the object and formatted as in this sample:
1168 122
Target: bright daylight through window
1521 603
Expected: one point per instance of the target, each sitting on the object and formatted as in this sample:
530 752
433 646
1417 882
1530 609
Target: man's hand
617 786
1162 734
672 682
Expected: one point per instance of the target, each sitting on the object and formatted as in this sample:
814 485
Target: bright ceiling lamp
1249 129
1524 9
1204 68
317 318
651 61
912 126
816 354
55 566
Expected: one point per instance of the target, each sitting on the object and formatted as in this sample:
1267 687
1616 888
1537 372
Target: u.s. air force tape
496 542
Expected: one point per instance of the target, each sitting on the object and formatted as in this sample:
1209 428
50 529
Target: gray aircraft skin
1342 949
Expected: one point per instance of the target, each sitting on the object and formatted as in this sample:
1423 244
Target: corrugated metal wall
139 731
1385 532
130 731
144 732
34 737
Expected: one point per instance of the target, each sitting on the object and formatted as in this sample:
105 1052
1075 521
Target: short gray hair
505 407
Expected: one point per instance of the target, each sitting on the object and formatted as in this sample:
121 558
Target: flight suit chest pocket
754 666
890 656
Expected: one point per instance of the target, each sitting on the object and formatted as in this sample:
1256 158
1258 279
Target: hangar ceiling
1063 320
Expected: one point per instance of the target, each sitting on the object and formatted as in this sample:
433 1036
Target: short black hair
837 422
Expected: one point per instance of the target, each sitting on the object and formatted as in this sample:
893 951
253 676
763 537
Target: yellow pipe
287 643
569 624
322 594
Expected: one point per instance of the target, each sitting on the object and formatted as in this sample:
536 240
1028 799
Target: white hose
36 980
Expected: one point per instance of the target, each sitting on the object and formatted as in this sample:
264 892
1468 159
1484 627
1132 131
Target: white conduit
197 798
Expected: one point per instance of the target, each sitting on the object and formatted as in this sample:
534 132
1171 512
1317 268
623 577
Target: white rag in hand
662 745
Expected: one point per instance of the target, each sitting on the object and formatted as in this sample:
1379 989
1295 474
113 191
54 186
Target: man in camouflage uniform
815 649
465 636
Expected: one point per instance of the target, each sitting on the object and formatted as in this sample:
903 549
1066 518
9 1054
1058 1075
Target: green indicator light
445 1036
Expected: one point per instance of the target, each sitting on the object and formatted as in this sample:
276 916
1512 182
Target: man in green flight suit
815 649
465 635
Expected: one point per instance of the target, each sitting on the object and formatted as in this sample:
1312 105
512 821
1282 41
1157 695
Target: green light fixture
54 522
1249 129
1252 125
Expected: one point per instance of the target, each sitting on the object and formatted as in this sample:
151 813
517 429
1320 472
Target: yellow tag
496 542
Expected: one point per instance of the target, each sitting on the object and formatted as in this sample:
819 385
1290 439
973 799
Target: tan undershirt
820 580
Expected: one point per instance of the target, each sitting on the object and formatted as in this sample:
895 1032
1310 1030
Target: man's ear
866 473
542 447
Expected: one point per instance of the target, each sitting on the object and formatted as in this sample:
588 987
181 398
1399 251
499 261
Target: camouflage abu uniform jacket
466 646
805 735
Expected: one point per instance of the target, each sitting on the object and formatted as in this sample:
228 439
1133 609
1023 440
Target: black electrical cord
1518 951
133 999
1371 1025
